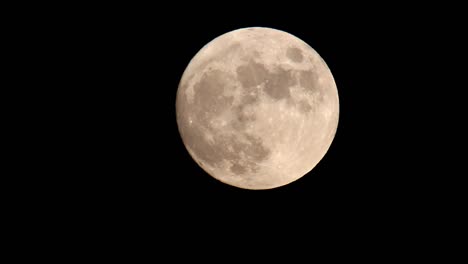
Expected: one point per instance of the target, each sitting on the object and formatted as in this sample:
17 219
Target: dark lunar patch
225 147
195 139
256 151
244 117
236 168
209 102
250 98
253 166
309 80
238 125
241 117
251 74
294 54
255 54
304 106
277 85
209 92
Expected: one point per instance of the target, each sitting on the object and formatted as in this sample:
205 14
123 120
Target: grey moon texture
257 108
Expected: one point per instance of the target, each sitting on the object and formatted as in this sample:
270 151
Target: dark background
120 161
132 63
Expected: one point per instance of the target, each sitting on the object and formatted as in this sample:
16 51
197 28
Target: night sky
131 161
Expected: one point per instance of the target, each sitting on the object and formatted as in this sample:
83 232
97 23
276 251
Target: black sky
131 159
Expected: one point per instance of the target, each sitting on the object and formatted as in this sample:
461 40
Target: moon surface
257 108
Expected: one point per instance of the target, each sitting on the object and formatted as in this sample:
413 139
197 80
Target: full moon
257 108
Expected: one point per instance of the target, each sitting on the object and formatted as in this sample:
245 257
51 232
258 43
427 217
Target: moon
257 108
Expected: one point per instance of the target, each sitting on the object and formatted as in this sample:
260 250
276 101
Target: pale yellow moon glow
257 108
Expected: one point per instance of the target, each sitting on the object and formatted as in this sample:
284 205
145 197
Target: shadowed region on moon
255 120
